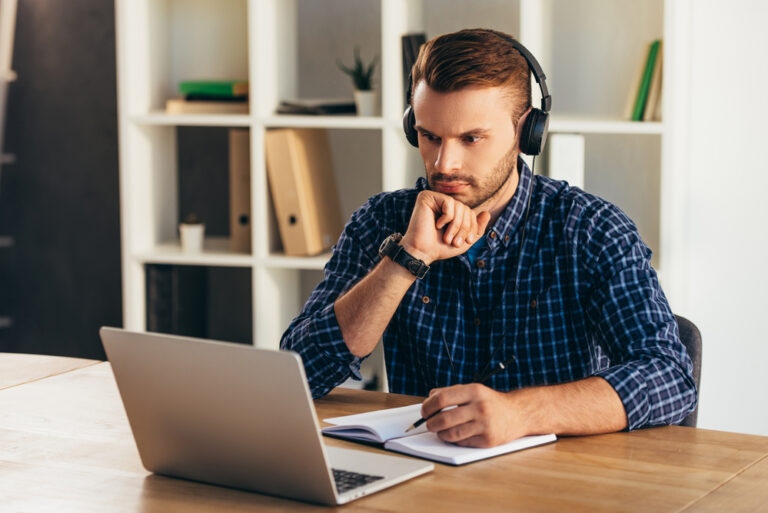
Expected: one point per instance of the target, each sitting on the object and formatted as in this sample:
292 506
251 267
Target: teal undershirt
473 251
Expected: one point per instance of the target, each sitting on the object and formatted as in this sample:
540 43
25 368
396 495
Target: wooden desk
65 445
16 368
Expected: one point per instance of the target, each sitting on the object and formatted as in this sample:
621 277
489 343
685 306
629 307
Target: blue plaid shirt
588 303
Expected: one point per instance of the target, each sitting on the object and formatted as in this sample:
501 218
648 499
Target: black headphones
533 134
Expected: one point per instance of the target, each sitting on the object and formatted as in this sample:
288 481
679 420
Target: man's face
467 141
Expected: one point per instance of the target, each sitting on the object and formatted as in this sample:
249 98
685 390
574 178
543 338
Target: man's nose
448 157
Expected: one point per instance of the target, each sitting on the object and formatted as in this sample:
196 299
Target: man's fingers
461 432
464 228
473 235
445 397
482 222
449 418
448 209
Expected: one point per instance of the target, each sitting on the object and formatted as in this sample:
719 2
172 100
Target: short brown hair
474 57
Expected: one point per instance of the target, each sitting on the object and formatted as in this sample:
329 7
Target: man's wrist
416 253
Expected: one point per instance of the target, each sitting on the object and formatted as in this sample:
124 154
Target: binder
240 190
303 188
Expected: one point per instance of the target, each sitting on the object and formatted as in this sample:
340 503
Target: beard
483 189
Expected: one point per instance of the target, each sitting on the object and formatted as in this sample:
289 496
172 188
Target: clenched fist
442 227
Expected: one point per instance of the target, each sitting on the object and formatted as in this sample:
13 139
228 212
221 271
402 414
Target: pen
421 421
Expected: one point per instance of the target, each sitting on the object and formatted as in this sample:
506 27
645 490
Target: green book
645 83
214 88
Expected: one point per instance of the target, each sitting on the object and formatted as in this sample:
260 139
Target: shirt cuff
330 341
631 388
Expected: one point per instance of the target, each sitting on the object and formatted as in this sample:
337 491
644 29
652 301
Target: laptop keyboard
347 480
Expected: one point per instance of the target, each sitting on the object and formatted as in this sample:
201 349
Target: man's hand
482 417
442 227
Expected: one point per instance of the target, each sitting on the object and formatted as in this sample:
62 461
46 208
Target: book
224 88
182 106
387 427
303 187
240 190
632 96
318 106
652 110
411 44
645 83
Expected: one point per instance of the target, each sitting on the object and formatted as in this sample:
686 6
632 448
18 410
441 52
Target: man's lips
450 187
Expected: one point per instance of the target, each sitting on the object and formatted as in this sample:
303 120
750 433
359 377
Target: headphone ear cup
533 134
409 123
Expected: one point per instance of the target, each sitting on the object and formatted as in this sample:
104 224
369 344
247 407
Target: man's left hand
482 417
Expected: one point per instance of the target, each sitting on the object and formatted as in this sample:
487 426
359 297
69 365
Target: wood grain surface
65 445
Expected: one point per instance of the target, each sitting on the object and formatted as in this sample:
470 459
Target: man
540 312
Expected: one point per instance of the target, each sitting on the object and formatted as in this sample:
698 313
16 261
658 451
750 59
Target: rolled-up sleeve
315 333
649 366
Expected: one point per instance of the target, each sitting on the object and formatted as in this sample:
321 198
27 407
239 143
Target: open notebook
388 427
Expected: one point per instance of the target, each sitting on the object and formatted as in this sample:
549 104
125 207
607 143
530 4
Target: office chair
691 338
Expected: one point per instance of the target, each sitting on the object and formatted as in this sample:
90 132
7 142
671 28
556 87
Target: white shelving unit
589 49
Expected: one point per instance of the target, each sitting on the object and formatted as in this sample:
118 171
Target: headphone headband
538 73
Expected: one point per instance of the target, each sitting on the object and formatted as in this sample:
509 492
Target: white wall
727 211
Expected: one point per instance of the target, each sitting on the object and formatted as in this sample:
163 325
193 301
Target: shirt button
492 234
477 321
425 299
506 238
481 263
534 303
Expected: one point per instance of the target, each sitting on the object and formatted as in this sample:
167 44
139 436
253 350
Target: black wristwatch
391 248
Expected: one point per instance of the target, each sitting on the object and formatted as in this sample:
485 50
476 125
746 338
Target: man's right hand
442 227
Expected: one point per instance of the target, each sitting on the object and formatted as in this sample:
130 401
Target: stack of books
644 102
210 97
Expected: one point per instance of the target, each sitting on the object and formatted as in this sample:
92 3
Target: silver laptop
237 416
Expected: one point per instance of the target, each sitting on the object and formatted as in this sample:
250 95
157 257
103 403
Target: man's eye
430 137
472 138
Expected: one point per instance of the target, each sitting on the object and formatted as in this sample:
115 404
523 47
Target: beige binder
303 189
240 190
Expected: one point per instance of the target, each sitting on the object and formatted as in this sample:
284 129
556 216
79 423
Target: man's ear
519 127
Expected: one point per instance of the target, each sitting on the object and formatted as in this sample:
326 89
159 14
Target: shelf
583 125
163 119
292 262
361 122
215 253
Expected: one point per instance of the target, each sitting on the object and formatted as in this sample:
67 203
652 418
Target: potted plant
192 232
366 98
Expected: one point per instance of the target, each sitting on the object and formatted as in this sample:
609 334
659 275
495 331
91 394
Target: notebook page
428 445
385 424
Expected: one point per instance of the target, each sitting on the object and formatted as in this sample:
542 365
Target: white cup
192 237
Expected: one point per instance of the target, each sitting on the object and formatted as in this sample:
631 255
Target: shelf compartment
200 301
591 65
215 253
163 42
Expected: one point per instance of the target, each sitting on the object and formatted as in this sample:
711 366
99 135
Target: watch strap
391 248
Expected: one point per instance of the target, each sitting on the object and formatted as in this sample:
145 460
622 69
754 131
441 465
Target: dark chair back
691 338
